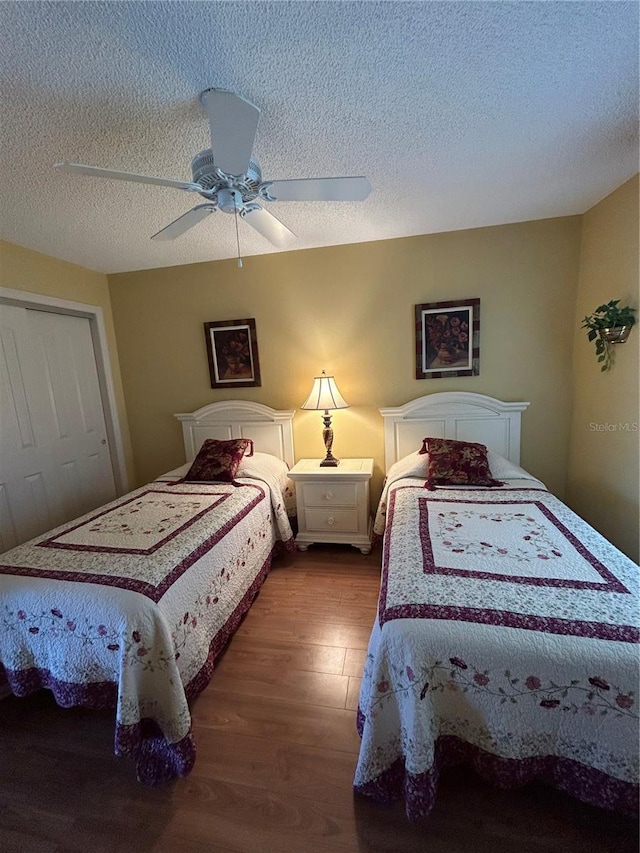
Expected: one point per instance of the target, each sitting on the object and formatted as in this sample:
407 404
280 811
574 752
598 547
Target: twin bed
507 627
506 635
128 606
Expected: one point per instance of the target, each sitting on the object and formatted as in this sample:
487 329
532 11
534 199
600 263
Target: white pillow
270 469
260 464
503 469
176 473
414 465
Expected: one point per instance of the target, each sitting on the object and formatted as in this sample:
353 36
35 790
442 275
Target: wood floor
277 746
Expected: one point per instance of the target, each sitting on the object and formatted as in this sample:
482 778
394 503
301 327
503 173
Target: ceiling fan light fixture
229 200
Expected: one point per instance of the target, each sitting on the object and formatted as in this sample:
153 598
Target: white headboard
270 430
460 415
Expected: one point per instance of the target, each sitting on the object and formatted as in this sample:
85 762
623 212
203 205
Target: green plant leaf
608 315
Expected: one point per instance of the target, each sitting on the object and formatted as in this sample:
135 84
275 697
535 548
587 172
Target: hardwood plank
307 688
354 662
308 601
278 720
20 841
334 561
303 631
306 594
353 693
314 772
280 655
368 598
257 821
317 611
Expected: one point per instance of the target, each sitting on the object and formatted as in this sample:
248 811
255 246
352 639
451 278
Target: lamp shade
325 395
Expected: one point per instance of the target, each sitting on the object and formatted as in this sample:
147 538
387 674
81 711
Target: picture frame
447 339
232 350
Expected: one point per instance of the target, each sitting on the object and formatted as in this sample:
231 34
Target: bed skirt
419 791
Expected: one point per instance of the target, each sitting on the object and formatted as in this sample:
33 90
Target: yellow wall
603 462
23 269
349 310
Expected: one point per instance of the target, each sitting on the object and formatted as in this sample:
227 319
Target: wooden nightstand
333 503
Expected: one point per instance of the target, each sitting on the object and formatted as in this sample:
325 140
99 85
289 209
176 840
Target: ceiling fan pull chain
237 237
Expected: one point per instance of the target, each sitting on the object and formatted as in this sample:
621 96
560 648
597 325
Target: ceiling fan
230 178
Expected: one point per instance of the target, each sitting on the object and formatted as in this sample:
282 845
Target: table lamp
325 396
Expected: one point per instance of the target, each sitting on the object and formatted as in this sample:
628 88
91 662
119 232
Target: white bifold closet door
55 462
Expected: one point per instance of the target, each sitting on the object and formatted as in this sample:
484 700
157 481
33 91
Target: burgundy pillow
218 461
457 463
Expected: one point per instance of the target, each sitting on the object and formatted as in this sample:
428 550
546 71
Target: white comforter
507 637
128 606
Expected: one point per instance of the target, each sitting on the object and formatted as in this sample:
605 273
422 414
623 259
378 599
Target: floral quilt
507 638
128 606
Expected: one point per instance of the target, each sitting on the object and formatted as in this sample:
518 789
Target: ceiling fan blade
95 172
267 225
318 189
184 222
233 121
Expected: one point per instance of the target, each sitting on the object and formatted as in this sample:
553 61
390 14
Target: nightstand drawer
330 494
335 521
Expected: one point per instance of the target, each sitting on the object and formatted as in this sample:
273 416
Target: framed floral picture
232 349
447 339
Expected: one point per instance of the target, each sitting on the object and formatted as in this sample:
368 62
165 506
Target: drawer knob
328 495
331 520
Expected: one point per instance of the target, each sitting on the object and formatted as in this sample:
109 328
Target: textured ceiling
461 114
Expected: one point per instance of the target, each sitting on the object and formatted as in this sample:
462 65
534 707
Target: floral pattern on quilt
591 696
507 630
170 516
471 582
530 542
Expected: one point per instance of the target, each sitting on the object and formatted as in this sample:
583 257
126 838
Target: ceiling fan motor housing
212 180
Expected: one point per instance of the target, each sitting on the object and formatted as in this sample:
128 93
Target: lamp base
330 462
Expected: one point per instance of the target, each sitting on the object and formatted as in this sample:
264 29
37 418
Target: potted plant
609 324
